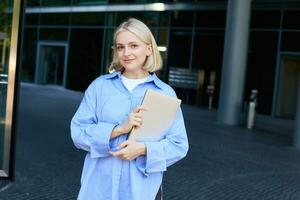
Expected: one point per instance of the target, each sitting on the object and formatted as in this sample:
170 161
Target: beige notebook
158 118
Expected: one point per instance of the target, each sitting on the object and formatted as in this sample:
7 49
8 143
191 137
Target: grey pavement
224 162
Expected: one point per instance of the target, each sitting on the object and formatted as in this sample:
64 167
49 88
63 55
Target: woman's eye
134 46
120 47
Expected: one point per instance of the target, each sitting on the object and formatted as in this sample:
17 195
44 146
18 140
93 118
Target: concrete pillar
296 139
234 61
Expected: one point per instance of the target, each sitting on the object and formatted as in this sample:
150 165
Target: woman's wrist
143 149
118 130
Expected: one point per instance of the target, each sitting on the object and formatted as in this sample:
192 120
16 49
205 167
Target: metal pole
296 139
4 51
234 61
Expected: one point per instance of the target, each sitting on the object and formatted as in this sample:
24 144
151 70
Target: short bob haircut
152 62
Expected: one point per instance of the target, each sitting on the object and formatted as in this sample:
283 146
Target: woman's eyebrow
133 42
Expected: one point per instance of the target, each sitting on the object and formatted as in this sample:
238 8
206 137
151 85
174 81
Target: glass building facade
68 43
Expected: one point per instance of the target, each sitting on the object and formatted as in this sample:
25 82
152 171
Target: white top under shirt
130 84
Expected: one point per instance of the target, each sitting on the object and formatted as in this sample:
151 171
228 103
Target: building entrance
288 87
51 64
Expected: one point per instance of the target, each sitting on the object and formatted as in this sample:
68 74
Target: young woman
114 167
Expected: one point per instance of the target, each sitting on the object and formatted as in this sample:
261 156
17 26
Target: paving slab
224 162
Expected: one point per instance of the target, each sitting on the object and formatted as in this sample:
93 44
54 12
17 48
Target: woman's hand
130 150
135 119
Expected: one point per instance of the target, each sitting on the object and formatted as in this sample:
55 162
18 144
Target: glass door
10 14
51 64
288 87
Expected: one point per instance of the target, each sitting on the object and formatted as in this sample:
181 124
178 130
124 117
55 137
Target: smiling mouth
128 61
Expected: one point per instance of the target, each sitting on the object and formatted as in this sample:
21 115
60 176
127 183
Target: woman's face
131 51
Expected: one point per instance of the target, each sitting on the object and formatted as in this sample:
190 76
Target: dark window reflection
31 19
182 19
151 19
55 19
215 19
97 19
179 48
33 2
208 49
55 2
291 20
265 19
29 54
84 57
54 34
261 68
288 41
126 1
87 2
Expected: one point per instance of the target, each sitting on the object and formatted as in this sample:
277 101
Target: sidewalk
224 162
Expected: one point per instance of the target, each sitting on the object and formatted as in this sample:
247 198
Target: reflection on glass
88 2
52 64
5 29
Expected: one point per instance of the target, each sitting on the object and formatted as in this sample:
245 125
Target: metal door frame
54 44
7 169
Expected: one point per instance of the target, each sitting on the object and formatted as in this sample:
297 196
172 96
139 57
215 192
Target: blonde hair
138 28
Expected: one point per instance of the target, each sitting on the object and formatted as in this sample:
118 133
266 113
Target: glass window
265 19
261 68
84 57
164 19
291 20
179 48
31 19
30 3
151 19
107 50
215 19
289 41
152 1
126 1
55 2
55 19
208 49
97 19
54 34
88 2
182 19
29 54
175 1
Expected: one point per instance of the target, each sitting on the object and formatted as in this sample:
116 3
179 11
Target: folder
158 118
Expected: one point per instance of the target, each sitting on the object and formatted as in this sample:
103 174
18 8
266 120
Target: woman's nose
127 51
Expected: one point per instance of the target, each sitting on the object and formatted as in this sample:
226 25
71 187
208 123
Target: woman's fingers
139 108
136 121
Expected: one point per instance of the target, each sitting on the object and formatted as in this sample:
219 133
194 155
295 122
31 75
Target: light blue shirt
107 103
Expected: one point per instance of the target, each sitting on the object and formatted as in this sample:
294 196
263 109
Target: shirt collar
153 78
113 75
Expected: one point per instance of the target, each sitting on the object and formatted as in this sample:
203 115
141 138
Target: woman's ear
149 50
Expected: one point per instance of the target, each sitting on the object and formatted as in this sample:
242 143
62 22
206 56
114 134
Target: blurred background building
68 43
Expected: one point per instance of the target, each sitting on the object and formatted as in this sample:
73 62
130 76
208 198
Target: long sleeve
87 132
166 152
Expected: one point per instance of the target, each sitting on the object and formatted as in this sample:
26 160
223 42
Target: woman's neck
135 75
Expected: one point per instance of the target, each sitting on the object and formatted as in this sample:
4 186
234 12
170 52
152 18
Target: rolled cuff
154 161
99 141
